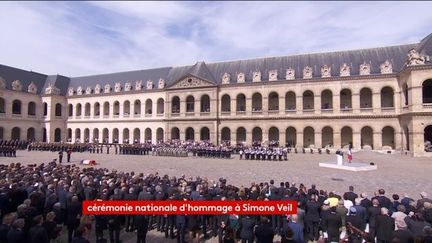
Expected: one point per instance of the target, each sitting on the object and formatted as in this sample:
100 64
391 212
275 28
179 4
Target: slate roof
213 72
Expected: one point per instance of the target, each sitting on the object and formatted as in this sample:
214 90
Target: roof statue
2 83
273 75
138 85
325 71
290 74
414 58
386 67
307 72
128 86
149 84
107 88
364 68
240 78
226 78
256 76
32 88
161 84
345 70
97 89
16 85
53 90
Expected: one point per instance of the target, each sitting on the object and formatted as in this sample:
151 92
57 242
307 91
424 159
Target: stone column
317 104
299 139
121 110
248 137
377 140
282 105
356 140
355 103
318 139
248 106
233 137
398 141
265 137
233 107
376 103
337 140
265 104
282 138
299 106
336 103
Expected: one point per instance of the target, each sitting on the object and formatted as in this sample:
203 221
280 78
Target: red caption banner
189 207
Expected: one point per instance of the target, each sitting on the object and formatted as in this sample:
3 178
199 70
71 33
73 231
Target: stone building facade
379 98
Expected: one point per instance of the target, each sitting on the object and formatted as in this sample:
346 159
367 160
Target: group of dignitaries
40 202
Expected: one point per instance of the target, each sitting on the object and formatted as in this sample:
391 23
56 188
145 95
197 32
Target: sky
85 38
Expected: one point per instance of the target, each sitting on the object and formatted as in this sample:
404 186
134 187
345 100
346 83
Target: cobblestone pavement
396 173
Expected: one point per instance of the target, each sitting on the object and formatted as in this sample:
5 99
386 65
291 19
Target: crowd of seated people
40 203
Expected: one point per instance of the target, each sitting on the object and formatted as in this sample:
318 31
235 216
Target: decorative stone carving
256 76
88 90
290 74
386 67
97 89
53 90
79 90
2 83
240 78
138 85
117 87
414 58
226 78
307 72
325 71
107 88
365 69
70 91
149 84
191 82
32 88
128 86
345 70
161 84
16 85
273 75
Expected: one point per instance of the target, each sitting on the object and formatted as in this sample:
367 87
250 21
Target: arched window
241 135
116 108
388 137
345 99
190 134
428 138
57 135
241 103
257 135
137 108
273 134
106 109
16 133
204 134
190 104
327 100
31 134
149 107
16 107
31 109
365 98
87 110
70 110
175 105
346 136
273 101
256 102
308 137
126 108
205 103
427 91
308 100
78 110
175 133
290 101
95 135
2 105
96 108
366 138
290 137
126 136
226 134
58 110
387 95
160 106
226 103
45 109
136 135
159 135
148 135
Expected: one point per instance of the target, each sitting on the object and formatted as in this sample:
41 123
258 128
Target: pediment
191 81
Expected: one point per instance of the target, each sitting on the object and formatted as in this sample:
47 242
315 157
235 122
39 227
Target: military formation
219 152
264 153
56 147
8 148
170 151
